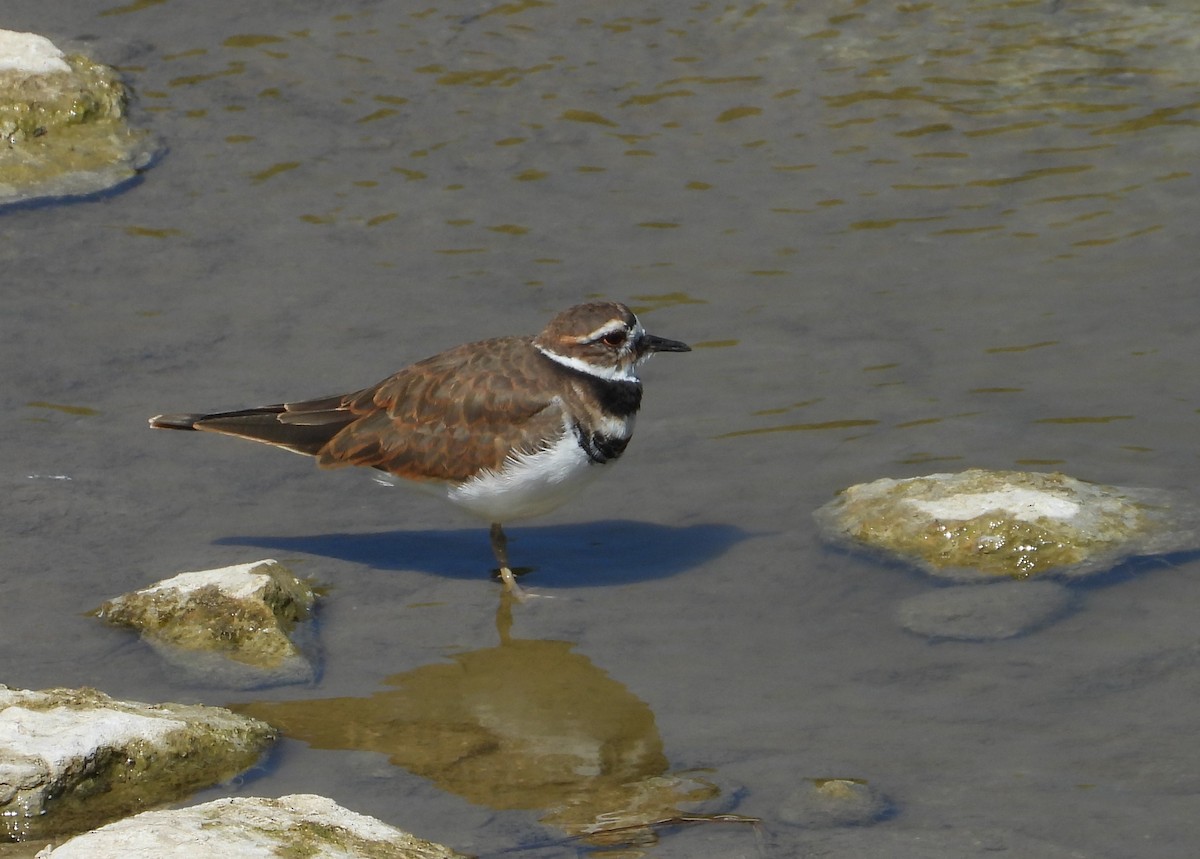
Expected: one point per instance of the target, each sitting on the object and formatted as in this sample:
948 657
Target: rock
825 803
30 53
62 123
251 828
73 759
986 612
242 627
984 524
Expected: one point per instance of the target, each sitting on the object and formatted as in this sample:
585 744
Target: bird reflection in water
524 725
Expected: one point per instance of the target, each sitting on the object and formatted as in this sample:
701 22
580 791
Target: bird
506 429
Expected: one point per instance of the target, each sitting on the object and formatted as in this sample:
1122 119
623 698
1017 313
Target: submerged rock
985 612
241 626
62 123
251 828
825 803
985 524
73 759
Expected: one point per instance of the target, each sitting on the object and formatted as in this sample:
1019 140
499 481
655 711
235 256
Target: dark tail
179 422
298 427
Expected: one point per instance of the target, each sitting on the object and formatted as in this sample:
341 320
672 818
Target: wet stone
985 612
301 825
244 626
63 131
826 803
73 759
980 524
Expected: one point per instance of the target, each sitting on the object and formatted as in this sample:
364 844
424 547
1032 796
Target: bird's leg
500 550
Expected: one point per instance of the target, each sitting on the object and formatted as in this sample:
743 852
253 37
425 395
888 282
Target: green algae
1002 546
78 411
64 133
311 838
36 105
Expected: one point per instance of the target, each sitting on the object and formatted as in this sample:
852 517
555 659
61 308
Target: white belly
527 485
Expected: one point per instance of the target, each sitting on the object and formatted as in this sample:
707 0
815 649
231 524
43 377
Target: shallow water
903 238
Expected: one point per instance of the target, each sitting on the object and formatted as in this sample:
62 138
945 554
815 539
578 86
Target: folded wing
444 418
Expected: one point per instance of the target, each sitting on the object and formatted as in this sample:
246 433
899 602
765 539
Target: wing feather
449 416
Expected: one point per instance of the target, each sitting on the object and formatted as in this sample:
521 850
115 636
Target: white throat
610 374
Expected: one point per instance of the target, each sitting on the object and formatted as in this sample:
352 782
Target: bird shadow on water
589 554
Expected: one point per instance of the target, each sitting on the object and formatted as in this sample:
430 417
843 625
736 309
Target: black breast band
600 448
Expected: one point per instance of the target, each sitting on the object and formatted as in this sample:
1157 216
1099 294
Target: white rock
61 736
250 828
1025 505
238 582
29 52
71 759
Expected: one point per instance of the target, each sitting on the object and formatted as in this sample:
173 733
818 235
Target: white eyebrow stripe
611 374
606 328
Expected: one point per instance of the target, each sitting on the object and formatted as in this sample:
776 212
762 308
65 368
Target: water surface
904 238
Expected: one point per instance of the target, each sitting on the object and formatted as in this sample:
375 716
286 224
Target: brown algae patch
981 524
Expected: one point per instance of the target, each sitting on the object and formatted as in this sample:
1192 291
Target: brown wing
448 416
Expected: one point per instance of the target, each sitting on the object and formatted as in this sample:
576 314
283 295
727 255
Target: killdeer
506 428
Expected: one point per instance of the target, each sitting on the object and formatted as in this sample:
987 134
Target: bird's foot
509 579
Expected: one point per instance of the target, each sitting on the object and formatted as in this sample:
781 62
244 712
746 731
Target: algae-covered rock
73 759
239 626
981 523
301 825
62 123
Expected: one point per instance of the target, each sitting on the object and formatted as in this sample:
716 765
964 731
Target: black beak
652 343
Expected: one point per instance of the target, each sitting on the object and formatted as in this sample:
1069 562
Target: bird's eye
614 338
